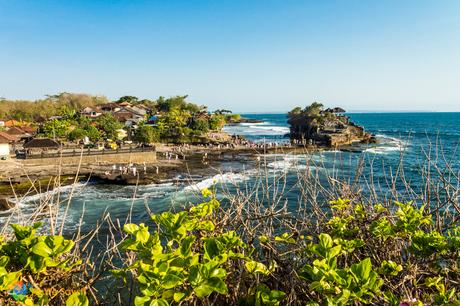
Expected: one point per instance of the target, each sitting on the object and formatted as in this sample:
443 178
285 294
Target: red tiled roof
123 116
6 138
29 129
14 130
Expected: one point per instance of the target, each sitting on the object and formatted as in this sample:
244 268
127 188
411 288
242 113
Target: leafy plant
339 286
28 262
185 258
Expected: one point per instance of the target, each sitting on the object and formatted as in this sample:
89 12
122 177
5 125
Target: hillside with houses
83 121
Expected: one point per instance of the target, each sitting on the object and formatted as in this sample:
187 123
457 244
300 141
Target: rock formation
328 128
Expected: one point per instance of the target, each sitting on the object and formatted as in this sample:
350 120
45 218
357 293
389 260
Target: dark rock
5 204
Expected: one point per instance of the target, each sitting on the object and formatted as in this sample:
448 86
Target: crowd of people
129 169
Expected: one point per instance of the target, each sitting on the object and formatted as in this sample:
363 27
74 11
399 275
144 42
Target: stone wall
121 158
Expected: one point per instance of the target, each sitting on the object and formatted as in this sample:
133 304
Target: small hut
41 145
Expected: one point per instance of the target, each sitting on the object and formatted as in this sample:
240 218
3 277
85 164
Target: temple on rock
329 128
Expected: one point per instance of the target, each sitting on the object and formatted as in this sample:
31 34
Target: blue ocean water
411 136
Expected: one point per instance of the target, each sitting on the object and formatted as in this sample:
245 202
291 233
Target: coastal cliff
328 128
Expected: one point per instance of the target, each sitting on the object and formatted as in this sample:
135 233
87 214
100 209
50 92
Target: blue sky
256 56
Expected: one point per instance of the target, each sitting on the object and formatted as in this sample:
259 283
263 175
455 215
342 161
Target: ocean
409 137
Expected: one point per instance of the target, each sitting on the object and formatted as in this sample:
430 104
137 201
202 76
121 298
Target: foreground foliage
39 270
362 255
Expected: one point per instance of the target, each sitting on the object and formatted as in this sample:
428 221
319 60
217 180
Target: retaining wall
133 157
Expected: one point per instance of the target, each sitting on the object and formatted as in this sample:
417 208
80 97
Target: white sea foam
388 144
43 196
252 123
229 177
273 128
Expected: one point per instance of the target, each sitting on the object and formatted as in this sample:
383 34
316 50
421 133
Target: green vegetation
176 119
362 255
53 105
313 112
39 270
146 134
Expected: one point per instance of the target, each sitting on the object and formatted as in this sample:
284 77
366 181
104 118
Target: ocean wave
383 150
229 177
387 144
253 123
48 195
274 128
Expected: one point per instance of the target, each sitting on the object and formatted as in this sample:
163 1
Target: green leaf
141 300
209 286
325 241
143 235
195 276
36 263
219 272
171 280
130 228
256 267
77 299
179 296
4 261
159 302
211 248
41 249
363 268
186 245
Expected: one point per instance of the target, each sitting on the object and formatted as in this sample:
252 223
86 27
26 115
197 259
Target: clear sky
256 56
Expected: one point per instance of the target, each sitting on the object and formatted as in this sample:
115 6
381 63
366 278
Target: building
129 116
110 107
41 145
21 133
90 112
7 144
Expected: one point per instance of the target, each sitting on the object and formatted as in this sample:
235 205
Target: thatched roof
336 110
41 143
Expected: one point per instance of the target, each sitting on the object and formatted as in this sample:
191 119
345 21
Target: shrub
188 259
39 270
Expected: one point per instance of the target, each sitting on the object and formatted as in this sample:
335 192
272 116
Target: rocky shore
17 179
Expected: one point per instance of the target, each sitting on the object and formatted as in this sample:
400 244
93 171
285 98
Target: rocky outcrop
328 128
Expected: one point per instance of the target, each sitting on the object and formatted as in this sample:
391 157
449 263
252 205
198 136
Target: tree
314 109
77 134
177 102
146 134
295 111
56 128
109 125
129 99
93 133
200 125
216 122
